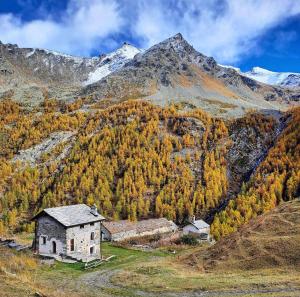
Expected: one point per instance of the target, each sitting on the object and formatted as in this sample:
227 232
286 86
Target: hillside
268 241
165 132
276 179
134 160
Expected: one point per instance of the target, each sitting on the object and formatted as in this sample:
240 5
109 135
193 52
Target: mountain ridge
171 70
174 70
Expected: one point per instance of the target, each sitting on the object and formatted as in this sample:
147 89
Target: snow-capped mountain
112 62
169 70
174 70
283 79
33 72
55 66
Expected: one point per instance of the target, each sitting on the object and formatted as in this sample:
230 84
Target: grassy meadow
138 273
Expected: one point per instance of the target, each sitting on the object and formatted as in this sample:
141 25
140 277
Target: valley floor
135 273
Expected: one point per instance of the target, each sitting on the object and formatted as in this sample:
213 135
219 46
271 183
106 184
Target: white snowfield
287 79
284 79
112 62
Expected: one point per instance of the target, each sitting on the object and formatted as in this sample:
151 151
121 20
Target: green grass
153 272
158 271
123 257
126 257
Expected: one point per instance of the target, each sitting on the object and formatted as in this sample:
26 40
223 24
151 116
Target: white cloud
81 27
224 29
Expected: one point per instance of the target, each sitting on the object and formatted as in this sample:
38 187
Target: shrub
188 239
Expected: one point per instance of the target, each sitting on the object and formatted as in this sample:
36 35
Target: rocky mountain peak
176 41
171 69
186 52
176 38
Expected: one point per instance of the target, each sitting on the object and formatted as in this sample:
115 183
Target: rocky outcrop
33 154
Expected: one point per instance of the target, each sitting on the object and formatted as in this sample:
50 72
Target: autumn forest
135 160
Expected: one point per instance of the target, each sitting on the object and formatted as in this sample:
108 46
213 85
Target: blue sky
243 33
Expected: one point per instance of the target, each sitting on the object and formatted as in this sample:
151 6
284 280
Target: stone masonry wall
133 233
54 232
83 242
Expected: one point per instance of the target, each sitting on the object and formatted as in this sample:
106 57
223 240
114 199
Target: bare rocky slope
171 71
30 75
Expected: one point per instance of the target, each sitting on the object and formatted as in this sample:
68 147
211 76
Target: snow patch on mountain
30 53
274 78
112 62
283 79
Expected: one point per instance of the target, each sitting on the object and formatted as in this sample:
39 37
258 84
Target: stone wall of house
133 233
83 242
53 232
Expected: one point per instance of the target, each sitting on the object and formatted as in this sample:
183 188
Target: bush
188 239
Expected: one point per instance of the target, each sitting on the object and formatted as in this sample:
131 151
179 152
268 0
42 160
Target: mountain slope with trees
276 179
134 160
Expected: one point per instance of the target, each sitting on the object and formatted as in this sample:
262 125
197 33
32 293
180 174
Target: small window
91 250
92 235
92 224
72 245
81 226
44 239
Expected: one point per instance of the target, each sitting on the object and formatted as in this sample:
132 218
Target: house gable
49 230
72 231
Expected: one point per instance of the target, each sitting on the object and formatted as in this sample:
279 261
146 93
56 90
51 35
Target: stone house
68 232
121 230
197 227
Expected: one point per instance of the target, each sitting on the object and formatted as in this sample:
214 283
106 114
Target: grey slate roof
72 215
200 224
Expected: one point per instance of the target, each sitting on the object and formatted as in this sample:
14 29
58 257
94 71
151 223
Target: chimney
94 210
194 219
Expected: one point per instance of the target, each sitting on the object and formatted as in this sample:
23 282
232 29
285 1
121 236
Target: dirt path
99 279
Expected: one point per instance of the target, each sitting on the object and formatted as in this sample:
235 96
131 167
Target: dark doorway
53 247
72 245
91 250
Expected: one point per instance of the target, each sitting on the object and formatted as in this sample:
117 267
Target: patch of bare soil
99 279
